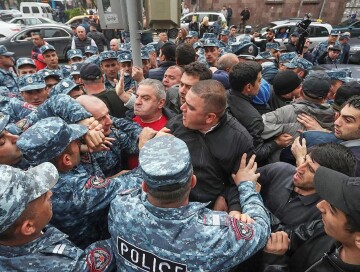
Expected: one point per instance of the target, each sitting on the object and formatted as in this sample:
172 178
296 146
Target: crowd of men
214 155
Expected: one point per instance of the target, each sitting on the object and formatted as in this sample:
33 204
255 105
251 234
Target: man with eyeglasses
322 47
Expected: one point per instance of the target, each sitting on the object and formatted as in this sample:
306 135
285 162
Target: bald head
98 109
90 102
81 32
114 45
227 61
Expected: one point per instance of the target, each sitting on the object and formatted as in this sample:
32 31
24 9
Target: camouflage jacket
189 238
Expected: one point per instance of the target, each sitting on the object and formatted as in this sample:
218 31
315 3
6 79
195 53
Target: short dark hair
242 74
198 69
184 54
334 156
168 50
350 225
354 102
214 95
171 193
28 213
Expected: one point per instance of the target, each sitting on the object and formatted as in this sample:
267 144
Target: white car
31 21
7 29
213 16
318 32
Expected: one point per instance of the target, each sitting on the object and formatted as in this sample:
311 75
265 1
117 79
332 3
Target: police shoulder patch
28 106
241 229
97 182
98 259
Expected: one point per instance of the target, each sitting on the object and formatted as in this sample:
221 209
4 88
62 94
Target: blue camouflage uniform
126 134
80 200
64 71
59 105
51 251
108 55
146 237
321 48
129 82
7 77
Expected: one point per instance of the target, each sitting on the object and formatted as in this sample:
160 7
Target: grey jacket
283 120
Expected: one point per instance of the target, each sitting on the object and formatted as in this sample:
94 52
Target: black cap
90 71
339 190
285 82
317 85
346 91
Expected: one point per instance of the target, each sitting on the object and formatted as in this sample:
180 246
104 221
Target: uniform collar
173 213
51 236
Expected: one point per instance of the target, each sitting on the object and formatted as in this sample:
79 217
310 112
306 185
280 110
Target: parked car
318 32
349 25
77 19
213 16
7 29
36 9
60 36
27 21
8 14
354 50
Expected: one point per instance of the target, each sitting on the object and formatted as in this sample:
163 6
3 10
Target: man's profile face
6 61
101 114
37 40
334 222
347 125
304 176
114 45
186 82
10 154
194 115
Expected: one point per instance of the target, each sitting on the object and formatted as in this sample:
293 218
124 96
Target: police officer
74 56
68 87
125 61
192 37
299 65
185 236
51 77
331 56
110 68
52 60
7 77
27 242
338 78
90 50
322 47
75 72
32 88
124 132
81 199
25 66
212 51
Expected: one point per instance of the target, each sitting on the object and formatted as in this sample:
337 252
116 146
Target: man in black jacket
167 59
215 140
340 210
245 80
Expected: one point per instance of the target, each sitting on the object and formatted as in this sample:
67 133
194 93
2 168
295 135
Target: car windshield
347 22
264 27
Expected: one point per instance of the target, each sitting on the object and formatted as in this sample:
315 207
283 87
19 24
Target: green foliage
73 12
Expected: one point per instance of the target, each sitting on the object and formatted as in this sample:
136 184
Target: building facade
265 11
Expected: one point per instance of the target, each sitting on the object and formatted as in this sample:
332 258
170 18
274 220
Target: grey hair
157 85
